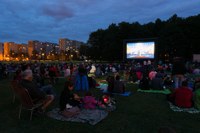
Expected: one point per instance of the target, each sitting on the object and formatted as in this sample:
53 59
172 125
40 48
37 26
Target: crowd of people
39 79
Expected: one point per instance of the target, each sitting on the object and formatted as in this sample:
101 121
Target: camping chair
13 85
26 101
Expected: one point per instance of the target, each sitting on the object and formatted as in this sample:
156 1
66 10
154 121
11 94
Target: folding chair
13 85
26 101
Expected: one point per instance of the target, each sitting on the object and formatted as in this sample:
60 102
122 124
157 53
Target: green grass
138 113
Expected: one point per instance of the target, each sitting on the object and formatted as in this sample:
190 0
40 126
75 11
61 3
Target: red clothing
183 97
89 102
139 75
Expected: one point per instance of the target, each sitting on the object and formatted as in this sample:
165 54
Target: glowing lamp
105 100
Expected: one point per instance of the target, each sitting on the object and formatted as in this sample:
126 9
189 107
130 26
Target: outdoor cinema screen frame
140 49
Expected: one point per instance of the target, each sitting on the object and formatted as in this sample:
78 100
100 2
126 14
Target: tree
175 37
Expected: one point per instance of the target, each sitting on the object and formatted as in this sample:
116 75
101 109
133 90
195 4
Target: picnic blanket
86 116
103 88
126 93
165 91
178 109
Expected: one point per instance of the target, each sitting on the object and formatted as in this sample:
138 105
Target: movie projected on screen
140 50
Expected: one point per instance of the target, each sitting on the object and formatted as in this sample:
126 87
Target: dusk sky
49 20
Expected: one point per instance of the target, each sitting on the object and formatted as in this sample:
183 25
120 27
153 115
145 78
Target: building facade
64 44
1 51
22 51
36 50
10 48
69 49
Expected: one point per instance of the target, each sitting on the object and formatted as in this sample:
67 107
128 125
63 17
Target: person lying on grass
69 101
90 102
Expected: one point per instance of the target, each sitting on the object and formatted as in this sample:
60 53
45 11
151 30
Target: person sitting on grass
69 101
144 83
67 72
92 82
152 74
157 82
110 80
119 86
93 69
36 94
182 96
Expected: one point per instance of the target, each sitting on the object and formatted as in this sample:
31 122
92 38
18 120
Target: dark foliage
175 37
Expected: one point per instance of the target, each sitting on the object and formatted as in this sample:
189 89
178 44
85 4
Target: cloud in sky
58 10
49 20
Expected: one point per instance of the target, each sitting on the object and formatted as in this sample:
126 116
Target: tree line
175 37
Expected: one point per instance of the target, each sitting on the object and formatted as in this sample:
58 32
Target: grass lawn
138 113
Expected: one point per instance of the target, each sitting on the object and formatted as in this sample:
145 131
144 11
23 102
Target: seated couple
115 85
44 94
154 80
71 103
183 96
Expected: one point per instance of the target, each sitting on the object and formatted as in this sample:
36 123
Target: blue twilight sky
49 20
